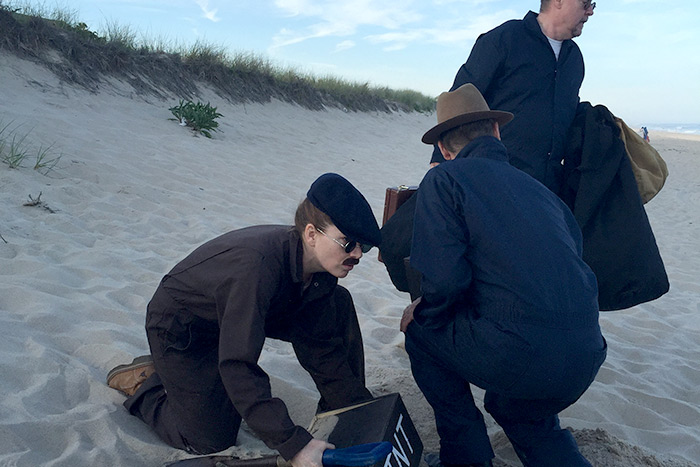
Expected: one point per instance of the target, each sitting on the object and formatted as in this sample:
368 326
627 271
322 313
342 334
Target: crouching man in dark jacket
507 302
208 320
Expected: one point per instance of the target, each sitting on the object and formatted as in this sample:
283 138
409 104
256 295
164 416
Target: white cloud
344 45
287 37
391 24
400 40
467 3
207 12
352 13
455 31
341 18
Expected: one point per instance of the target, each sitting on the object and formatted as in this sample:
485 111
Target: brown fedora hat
463 105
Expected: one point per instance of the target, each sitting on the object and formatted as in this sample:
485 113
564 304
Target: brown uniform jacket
247 285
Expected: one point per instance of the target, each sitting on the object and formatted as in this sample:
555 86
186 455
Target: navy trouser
530 374
185 401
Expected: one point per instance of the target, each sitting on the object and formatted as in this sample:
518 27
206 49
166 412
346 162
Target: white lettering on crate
401 444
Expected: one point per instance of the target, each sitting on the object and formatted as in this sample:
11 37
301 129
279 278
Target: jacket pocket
178 336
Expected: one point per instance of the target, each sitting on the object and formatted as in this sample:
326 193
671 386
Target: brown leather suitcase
393 199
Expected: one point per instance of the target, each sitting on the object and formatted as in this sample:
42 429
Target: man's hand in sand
408 314
311 455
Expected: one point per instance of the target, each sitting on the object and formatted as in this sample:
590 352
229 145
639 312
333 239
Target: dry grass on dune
81 57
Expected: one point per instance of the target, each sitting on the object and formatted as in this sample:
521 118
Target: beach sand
134 192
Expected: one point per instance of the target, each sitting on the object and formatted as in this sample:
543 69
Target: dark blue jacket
600 188
492 241
515 69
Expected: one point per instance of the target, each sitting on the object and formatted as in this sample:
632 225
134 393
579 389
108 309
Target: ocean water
687 128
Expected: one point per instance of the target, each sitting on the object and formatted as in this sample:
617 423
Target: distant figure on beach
645 134
532 68
208 319
507 303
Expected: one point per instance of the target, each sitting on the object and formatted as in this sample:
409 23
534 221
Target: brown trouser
185 401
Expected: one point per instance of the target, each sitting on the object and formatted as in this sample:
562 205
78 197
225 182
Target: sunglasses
349 246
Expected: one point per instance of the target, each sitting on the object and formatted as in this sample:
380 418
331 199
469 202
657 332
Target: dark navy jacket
492 241
515 69
600 188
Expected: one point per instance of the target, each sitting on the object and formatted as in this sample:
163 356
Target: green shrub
200 117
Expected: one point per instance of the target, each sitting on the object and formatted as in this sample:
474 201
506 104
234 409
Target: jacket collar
532 25
295 254
488 147
534 28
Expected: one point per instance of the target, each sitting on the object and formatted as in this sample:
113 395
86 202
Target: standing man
507 302
533 69
209 317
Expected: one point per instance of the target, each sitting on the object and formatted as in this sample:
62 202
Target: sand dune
134 192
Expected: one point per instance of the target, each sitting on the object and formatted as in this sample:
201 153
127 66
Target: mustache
351 261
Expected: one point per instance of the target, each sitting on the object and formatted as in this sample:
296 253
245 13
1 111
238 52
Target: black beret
347 208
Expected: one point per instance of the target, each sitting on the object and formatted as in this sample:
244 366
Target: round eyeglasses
349 246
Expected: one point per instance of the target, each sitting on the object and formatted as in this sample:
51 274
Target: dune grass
16 149
82 56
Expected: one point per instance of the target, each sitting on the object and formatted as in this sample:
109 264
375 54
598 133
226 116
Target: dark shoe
129 377
433 460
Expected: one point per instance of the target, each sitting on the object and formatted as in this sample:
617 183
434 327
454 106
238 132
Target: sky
642 57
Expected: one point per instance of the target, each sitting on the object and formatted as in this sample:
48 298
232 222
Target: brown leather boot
129 377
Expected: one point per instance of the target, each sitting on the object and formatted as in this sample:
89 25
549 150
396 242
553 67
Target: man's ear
310 234
496 130
445 153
